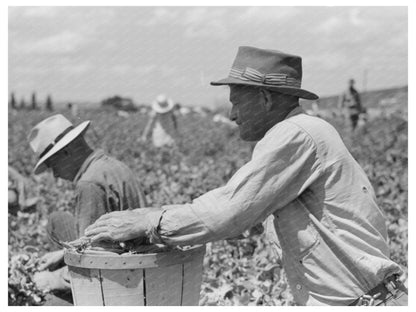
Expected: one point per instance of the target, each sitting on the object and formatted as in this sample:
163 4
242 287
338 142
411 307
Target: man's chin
248 137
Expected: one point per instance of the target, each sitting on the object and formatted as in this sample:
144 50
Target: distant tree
13 103
119 102
34 104
112 101
49 105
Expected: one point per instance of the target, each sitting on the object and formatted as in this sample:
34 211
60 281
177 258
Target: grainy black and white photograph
207 155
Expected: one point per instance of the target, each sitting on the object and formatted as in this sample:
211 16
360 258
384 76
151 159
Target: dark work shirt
104 184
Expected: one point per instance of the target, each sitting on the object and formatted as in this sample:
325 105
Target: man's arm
91 202
358 101
149 126
175 123
282 168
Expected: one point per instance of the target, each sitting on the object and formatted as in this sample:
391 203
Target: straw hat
162 104
51 135
272 69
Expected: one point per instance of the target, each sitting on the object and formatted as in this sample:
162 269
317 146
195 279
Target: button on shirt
104 184
332 233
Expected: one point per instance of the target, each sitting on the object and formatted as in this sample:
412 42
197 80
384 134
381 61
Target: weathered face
248 111
60 164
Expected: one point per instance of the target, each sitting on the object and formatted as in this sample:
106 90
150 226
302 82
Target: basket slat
122 287
192 276
86 288
170 278
160 279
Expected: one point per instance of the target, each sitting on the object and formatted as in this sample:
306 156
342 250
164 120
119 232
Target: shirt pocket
296 230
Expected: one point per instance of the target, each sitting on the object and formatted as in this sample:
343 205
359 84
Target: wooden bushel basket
170 278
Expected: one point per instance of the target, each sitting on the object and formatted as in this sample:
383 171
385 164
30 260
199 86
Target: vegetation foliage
236 272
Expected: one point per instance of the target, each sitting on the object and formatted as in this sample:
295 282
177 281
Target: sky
86 54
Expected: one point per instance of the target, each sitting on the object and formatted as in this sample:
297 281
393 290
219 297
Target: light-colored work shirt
331 232
163 129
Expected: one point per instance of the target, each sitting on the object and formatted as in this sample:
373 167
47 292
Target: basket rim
113 261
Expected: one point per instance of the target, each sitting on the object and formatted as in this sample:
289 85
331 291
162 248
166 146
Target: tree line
33 105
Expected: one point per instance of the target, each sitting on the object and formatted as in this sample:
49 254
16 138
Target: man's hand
142 139
121 225
51 259
56 280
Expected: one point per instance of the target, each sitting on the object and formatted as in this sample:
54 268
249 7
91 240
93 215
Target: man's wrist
154 218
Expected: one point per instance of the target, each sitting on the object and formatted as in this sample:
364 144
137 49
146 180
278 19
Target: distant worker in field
17 195
73 109
103 184
332 234
350 104
162 123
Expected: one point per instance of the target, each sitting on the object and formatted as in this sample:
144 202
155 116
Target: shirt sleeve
91 203
283 165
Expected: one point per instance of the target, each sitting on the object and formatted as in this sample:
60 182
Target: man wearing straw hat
103 184
332 234
162 122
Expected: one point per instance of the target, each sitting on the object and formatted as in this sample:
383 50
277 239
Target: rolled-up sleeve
283 165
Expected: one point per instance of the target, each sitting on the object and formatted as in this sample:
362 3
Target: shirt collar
296 111
93 156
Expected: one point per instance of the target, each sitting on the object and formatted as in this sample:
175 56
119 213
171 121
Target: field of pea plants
236 272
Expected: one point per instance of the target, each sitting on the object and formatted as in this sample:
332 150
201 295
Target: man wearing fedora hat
325 218
102 184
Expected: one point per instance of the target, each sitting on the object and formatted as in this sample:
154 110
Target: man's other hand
56 280
121 225
51 259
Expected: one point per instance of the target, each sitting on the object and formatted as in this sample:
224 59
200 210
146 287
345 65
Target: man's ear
267 99
66 152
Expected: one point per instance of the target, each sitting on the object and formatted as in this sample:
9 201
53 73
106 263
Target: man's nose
55 174
233 114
